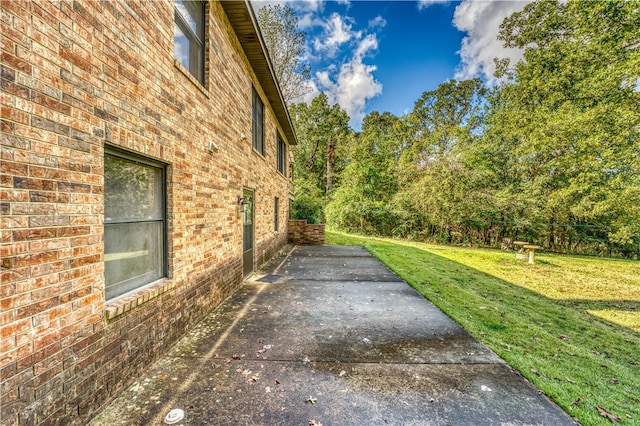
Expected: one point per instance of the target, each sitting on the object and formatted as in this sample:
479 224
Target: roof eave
245 24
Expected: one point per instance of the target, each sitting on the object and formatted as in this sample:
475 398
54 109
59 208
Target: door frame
248 253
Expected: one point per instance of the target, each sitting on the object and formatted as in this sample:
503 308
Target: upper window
134 222
188 38
281 155
257 120
276 214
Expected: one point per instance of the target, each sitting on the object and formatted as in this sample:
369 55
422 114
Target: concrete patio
330 336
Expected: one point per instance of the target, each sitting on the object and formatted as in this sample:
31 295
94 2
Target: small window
188 37
134 222
281 156
276 214
257 120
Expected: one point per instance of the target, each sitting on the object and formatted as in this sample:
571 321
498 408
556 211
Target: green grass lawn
569 324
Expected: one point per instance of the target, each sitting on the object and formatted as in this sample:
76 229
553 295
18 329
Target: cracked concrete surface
335 339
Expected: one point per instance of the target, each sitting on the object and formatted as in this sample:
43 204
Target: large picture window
134 222
257 120
188 37
281 156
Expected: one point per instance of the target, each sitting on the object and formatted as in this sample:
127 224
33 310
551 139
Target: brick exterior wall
78 75
301 232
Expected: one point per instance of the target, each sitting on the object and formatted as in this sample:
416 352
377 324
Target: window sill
255 151
130 301
191 78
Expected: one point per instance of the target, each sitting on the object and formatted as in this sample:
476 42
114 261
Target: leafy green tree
370 179
323 134
571 114
308 203
436 184
286 46
447 119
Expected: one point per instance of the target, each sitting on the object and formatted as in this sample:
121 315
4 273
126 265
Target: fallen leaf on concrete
277 382
311 400
235 356
342 373
314 423
267 389
161 377
606 414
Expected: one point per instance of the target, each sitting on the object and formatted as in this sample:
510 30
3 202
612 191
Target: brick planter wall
76 76
303 233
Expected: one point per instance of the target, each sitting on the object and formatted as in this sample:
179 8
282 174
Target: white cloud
311 92
354 84
307 12
341 46
481 20
369 43
308 5
337 31
324 79
306 21
423 4
377 22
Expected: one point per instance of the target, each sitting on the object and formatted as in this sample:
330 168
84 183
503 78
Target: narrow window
281 156
257 119
134 222
188 36
276 214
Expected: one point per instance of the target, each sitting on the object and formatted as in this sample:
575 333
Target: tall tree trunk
331 158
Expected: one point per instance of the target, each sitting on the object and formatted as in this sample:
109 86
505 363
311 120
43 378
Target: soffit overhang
245 24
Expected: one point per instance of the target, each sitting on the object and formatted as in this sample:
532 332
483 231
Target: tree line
551 154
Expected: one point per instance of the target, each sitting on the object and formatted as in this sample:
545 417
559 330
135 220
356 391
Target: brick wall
301 232
76 76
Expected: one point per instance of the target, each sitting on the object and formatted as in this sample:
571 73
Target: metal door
247 232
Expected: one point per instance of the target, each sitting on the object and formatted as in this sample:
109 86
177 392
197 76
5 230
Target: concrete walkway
330 336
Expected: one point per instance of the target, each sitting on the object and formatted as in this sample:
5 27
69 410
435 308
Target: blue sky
382 55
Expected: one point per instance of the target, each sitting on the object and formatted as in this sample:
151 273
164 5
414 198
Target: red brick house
144 174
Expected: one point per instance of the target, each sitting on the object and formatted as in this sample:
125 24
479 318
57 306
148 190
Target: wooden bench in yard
526 251
520 254
531 249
